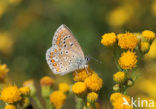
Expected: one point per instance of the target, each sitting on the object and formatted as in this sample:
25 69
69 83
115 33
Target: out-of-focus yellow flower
144 46
119 77
117 101
58 98
114 97
79 88
24 102
82 74
92 97
3 7
94 82
6 43
25 91
10 106
30 84
3 71
127 60
152 51
14 1
150 35
154 7
108 39
127 41
64 87
11 94
46 81
119 16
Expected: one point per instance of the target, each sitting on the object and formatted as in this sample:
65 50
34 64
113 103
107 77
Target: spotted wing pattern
65 55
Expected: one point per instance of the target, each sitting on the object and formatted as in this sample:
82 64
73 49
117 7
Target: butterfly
65 55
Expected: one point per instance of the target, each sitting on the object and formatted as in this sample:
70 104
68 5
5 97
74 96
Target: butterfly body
65 55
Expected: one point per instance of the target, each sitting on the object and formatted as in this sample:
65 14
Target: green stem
79 102
48 104
38 102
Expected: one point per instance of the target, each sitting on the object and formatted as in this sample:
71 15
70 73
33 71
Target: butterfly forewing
65 54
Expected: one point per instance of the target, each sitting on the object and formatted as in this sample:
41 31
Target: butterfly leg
86 70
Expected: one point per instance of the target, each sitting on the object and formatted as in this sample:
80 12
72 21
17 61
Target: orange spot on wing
59 37
52 60
55 50
54 64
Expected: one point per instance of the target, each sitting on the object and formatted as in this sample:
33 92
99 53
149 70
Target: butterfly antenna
100 62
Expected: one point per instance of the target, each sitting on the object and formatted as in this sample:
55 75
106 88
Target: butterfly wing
65 55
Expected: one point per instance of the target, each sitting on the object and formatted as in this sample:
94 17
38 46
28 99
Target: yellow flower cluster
11 94
93 82
3 72
87 85
10 106
150 35
92 97
64 87
117 101
79 88
82 74
127 41
46 81
30 84
128 60
58 98
108 39
25 91
119 77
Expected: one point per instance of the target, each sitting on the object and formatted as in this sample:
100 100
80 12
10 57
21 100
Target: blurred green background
27 28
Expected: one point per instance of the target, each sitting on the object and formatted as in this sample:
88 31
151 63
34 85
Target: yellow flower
14 1
119 77
30 84
127 60
144 46
25 91
11 94
79 88
82 74
64 87
46 81
150 35
94 82
3 71
117 101
58 98
114 97
6 43
92 97
108 39
127 41
118 104
10 107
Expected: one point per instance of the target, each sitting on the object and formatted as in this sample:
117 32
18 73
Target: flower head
25 91
144 46
94 82
3 71
46 81
119 77
127 41
127 60
79 88
82 74
30 84
108 39
58 98
92 97
114 97
11 94
24 102
64 87
150 35
10 106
